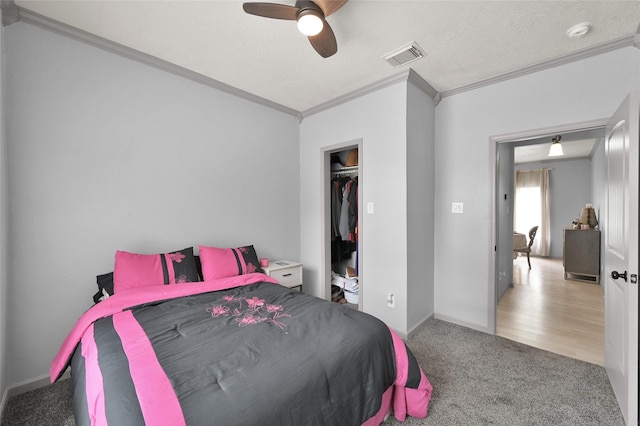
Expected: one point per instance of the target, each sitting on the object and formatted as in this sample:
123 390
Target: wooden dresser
581 255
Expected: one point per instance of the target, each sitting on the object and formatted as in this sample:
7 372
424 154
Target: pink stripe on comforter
414 402
139 296
95 397
401 399
158 400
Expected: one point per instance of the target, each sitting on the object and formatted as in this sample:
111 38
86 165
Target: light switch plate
370 207
457 207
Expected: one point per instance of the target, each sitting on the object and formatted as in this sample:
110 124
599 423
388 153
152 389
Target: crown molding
410 76
380 84
10 12
127 52
423 85
630 40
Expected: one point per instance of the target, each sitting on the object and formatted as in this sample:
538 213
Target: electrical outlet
391 301
457 207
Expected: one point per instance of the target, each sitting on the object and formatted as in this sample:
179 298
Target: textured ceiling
539 153
465 41
579 144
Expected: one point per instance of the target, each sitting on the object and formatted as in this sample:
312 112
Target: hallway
544 310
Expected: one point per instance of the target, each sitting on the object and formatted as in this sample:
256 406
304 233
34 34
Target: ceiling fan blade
325 42
329 6
271 10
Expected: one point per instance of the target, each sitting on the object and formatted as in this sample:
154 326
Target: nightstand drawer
289 274
290 277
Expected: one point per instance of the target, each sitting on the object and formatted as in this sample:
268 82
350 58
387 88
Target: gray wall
589 89
504 218
3 220
420 196
570 189
598 179
380 119
107 153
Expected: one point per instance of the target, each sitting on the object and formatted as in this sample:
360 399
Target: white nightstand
287 273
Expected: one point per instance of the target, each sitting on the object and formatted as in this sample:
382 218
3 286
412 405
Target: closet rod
346 171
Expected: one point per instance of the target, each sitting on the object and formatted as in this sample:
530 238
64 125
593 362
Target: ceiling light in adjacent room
579 30
556 149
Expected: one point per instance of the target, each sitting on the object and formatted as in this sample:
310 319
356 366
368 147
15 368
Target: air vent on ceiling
404 55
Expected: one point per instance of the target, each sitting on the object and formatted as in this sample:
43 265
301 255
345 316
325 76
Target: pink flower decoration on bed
249 320
255 302
218 310
251 268
274 308
177 257
254 312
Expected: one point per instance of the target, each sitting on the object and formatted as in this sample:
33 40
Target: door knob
615 275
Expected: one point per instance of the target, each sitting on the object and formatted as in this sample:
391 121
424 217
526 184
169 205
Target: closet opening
342 233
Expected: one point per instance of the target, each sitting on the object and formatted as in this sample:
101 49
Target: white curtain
532 207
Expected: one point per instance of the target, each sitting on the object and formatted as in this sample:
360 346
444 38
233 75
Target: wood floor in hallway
544 310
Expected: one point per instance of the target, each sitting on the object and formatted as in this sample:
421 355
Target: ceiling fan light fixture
310 22
556 149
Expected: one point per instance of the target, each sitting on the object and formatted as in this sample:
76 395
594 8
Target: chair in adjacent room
527 249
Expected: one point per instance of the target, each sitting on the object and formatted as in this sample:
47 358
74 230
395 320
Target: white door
621 256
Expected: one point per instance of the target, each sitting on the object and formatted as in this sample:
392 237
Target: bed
213 349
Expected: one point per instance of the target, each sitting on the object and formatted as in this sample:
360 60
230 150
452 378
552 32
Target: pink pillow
133 270
228 262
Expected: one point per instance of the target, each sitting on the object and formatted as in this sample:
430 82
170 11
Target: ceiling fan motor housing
308 7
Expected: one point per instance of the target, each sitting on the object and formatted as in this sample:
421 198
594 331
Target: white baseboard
414 330
419 326
3 403
22 387
26 386
452 320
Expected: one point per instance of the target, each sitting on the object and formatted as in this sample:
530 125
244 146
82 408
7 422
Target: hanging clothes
344 213
352 213
344 217
336 207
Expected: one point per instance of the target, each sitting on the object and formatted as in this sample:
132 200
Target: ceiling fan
311 20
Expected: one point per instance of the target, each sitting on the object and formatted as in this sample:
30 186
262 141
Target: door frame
325 216
512 138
